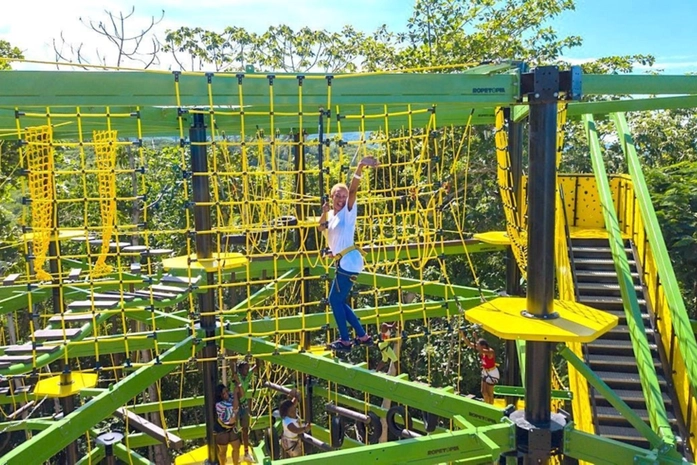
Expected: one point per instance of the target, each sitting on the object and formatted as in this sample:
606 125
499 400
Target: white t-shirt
341 228
286 432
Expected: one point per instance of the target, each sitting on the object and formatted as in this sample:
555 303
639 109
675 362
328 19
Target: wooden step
56 334
19 390
170 289
73 317
9 280
180 280
12 359
113 295
74 274
141 424
90 304
146 294
27 349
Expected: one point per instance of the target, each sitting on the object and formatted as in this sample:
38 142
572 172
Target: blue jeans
341 287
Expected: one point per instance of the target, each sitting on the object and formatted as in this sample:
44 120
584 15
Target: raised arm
356 180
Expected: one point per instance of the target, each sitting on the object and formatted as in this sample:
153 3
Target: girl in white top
339 221
291 428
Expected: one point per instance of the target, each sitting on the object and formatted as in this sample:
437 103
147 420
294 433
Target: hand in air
369 161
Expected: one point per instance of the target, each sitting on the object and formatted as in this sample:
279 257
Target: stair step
602 288
626 381
624 364
598 264
607 302
592 251
632 397
56 334
601 276
621 332
623 433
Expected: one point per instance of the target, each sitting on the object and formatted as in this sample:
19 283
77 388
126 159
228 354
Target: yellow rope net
105 159
42 191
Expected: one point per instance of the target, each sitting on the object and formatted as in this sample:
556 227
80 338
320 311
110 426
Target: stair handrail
677 313
658 416
567 234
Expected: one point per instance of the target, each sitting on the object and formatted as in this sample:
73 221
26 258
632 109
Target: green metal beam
615 400
316 321
416 395
638 84
50 441
603 451
678 313
431 289
627 105
471 446
647 370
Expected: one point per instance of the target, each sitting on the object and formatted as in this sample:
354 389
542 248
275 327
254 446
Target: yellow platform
63 234
493 237
200 455
589 233
223 261
576 322
52 387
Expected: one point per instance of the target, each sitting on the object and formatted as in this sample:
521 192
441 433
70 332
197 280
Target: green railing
663 293
658 416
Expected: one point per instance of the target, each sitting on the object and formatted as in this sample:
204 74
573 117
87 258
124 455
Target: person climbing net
487 358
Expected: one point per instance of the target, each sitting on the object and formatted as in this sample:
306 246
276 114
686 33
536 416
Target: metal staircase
611 356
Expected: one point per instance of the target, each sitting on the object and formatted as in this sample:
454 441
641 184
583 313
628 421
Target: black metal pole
67 403
541 205
513 275
204 249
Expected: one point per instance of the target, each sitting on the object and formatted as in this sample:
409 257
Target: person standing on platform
339 222
487 357
226 433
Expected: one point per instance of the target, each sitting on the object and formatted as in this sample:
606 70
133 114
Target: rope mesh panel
42 192
105 158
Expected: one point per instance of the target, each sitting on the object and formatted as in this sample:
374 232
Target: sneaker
340 346
365 341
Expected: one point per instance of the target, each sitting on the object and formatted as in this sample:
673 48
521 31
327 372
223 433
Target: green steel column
204 249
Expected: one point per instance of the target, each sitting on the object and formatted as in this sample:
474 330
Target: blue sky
608 27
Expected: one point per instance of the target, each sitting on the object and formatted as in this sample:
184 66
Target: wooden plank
180 280
21 410
72 317
149 428
90 304
146 294
114 295
16 358
27 349
135 268
74 274
9 280
56 334
163 288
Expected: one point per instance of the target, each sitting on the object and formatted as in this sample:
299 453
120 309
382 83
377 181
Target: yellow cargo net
42 192
512 210
105 160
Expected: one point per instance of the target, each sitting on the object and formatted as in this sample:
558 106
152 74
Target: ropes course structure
170 238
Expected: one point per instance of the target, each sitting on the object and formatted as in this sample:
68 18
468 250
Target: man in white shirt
339 221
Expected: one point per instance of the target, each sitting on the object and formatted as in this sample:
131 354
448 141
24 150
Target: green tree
7 52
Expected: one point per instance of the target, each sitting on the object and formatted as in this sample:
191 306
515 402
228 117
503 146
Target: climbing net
114 221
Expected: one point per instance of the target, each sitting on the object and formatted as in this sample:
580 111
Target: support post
204 249
67 403
539 430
